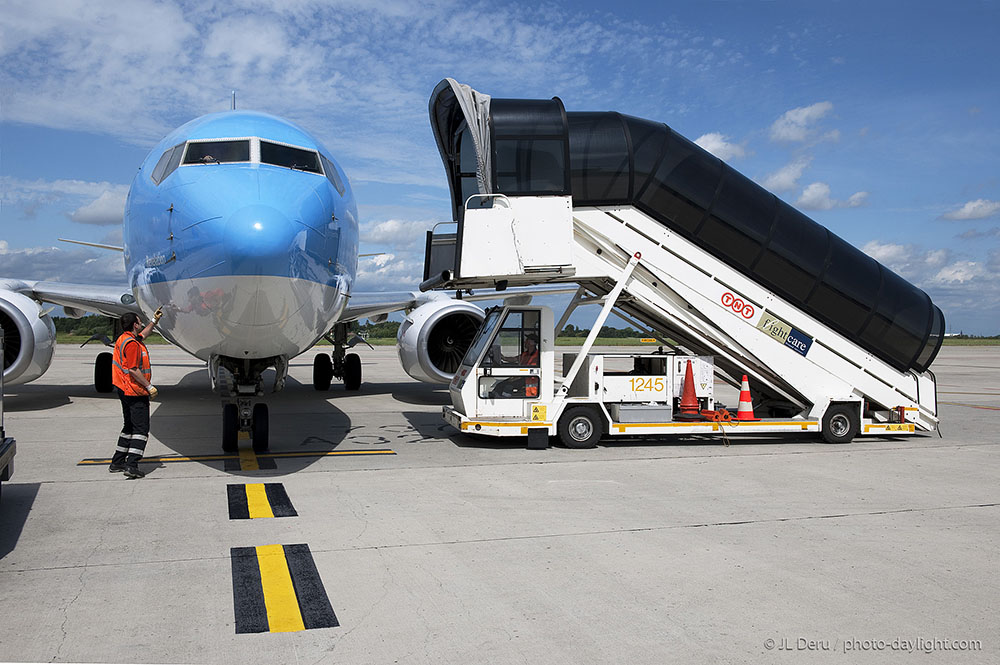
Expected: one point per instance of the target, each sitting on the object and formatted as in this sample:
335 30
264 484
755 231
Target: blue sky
881 120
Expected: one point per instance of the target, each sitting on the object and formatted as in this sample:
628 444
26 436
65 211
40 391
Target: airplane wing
372 304
107 300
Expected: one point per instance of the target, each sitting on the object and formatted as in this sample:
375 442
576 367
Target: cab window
517 343
217 152
289 157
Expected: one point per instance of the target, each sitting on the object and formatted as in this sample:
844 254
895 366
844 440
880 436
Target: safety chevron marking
277 589
257 500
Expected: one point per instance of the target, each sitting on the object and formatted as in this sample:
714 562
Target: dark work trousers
135 431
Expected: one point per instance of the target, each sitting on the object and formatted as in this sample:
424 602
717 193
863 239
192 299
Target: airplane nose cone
257 236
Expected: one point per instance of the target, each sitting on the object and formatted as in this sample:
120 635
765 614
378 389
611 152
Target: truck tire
840 423
580 427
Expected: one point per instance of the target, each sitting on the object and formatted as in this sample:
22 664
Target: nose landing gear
240 385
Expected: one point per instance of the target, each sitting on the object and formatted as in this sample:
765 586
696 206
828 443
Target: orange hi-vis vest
120 375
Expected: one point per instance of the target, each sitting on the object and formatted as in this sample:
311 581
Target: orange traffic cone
690 408
745 409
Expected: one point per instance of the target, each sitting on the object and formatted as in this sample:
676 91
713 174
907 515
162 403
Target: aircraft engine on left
434 338
29 338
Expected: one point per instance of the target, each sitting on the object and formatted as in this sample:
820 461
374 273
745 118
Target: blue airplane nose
256 237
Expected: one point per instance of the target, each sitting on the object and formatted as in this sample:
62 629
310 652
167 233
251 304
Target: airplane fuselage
243 227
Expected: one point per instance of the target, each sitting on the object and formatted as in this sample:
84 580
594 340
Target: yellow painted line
257 502
248 460
331 453
283 614
222 458
715 426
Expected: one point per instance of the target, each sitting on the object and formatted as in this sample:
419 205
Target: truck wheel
580 427
840 423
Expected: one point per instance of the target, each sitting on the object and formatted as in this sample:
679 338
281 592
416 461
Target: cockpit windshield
216 152
251 150
289 157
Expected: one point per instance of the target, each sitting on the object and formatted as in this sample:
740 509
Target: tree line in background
102 325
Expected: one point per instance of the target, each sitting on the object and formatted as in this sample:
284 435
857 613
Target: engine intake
434 338
29 338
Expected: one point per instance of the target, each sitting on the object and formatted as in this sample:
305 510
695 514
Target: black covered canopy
534 147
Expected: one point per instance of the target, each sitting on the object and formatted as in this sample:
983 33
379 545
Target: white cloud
354 73
389 272
81 266
721 147
967 291
797 124
857 199
973 234
978 209
106 210
959 272
395 232
34 191
786 178
817 197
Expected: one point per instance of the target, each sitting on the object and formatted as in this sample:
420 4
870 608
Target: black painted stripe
313 601
238 507
281 505
248 594
262 458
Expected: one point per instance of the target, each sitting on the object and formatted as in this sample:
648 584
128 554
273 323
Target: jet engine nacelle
434 338
29 338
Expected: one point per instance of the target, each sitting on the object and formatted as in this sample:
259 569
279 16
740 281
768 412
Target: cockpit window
332 175
168 162
215 152
289 157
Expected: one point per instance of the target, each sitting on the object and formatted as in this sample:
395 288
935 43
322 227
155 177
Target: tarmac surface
463 550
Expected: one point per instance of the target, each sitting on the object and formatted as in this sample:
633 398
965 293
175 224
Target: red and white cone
689 405
745 409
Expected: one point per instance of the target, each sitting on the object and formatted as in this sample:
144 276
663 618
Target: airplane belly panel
243 316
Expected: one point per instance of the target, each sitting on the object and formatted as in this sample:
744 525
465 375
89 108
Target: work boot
134 472
132 467
117 462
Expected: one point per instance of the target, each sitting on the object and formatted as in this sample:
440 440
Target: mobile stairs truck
675 241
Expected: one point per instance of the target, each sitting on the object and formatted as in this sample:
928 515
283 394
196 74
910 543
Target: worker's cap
532 336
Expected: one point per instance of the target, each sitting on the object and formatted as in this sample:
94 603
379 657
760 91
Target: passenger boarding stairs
542 196
679 291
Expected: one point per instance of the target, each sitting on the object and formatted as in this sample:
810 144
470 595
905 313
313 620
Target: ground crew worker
528 357
131 373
